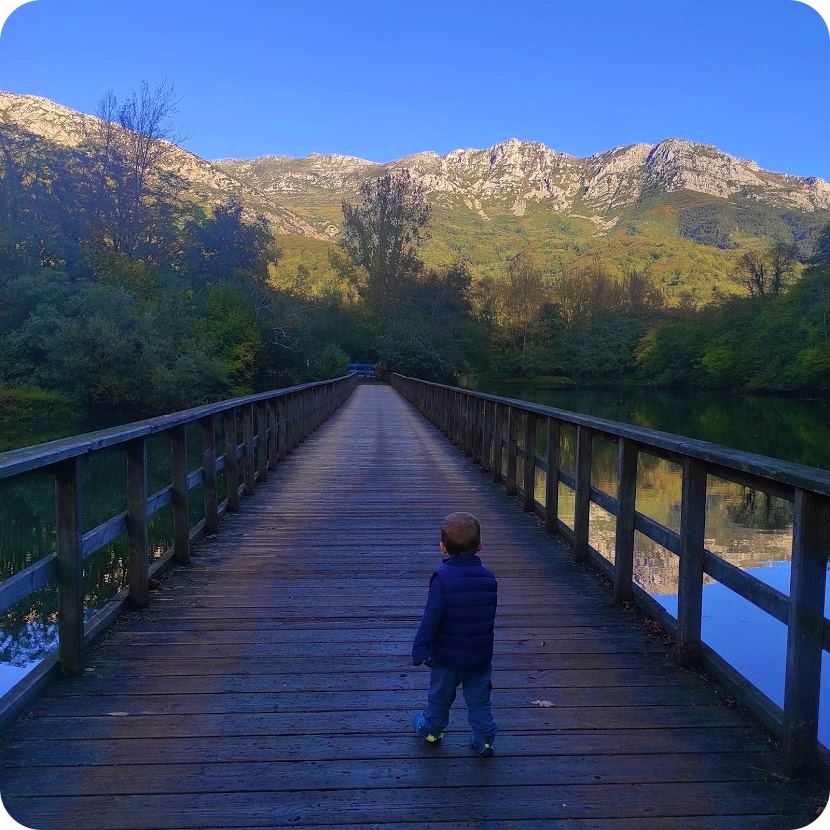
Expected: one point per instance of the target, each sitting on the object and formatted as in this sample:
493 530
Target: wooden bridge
267 682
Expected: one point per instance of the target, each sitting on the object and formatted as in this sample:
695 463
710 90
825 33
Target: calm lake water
745 527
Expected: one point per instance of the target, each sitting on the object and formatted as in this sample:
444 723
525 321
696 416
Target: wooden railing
273 424
487 427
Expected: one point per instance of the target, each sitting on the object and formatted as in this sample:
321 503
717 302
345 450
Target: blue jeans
476 687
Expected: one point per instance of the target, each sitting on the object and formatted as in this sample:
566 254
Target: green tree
768 272
406 348
381 235
229 246
821 253
330 362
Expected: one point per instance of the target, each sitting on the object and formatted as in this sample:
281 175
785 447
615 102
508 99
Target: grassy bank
32 416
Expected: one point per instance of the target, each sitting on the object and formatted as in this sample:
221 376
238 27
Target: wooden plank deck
270 684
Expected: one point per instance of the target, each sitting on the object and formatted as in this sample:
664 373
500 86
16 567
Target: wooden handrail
284 417
494 421
38 456
781 477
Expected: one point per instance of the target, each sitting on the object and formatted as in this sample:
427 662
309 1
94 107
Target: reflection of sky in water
9 675
751 640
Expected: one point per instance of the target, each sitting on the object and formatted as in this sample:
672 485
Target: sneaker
420 726
483 748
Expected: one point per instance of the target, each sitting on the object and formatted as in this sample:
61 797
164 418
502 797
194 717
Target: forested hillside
135 278
120 293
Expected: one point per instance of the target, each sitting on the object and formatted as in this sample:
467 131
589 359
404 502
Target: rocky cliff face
511 177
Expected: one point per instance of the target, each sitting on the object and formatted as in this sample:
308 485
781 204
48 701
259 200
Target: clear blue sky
384 79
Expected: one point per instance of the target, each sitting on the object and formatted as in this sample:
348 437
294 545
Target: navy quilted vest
464 640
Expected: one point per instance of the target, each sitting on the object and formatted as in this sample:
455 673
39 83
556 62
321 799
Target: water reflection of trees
760 511
748 528
794 430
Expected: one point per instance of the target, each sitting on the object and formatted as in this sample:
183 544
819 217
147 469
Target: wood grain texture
626 514
209 473
690 572
231 460
582 492
270 683
70 579
181 495
248 452
811 540
138 530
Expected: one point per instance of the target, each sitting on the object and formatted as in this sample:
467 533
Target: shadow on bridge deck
270 684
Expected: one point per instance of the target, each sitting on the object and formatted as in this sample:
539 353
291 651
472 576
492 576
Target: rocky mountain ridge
301 197
514 175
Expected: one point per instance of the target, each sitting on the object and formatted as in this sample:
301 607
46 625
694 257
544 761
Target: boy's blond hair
461 533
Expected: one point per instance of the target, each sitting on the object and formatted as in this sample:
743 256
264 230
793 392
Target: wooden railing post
282 428
469 431
262 441
624 536
231 460
582 492
206 425
477 421
512 450
137 524
273 434
248 447
552 477
692 552
498 440
449 408
296 420
70 571
529 500
805 631
289 424
451 403
181 513
487 437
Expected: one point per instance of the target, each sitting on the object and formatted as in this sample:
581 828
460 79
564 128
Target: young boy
455 638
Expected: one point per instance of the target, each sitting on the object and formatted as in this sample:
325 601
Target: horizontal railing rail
273 424
496 432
